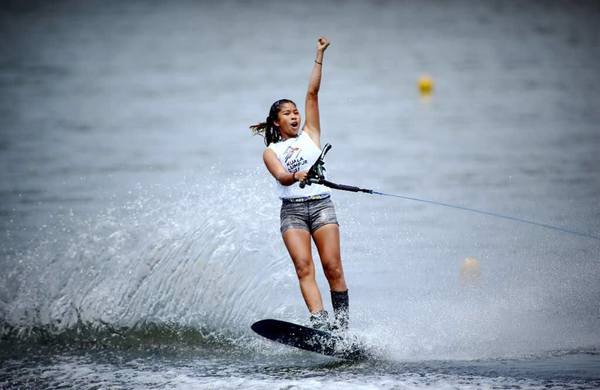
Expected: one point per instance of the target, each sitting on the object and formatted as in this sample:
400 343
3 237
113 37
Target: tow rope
316 175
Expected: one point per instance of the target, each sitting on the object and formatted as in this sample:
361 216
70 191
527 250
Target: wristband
317 62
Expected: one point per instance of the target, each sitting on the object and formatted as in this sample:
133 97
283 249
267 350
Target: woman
306 212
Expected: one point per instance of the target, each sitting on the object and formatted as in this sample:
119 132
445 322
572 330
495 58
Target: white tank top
298 154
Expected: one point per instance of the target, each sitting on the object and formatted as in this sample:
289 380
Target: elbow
282 180
312 92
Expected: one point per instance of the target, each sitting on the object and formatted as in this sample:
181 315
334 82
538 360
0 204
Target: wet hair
268 129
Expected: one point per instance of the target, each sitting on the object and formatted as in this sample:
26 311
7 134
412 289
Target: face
288 120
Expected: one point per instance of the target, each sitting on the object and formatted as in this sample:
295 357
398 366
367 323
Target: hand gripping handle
315 173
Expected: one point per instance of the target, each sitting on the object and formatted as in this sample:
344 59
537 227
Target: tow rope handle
344 187
316 175
316 172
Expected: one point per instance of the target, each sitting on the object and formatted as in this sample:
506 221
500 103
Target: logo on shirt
291 152
292 158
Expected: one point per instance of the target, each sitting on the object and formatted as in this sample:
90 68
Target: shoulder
269 152
273 147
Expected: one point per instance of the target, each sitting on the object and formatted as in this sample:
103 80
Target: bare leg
297 242
327 238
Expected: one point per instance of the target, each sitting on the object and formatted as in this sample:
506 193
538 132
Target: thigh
321 213
297 242
327 239
294 216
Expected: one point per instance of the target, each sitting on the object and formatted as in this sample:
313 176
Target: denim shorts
308 215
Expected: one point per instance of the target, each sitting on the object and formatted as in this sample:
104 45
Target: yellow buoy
425 84
470 272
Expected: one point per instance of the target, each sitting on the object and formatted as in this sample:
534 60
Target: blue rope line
493 214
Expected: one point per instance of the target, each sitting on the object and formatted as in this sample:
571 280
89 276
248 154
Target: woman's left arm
312 124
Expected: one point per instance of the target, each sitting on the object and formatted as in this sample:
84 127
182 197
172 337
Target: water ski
310 339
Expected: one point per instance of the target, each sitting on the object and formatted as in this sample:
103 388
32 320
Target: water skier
306 212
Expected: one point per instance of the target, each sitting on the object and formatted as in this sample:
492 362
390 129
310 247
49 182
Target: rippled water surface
140 230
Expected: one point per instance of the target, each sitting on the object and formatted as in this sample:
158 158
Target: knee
305 269
334 272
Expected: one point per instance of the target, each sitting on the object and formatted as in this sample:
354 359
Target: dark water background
140 229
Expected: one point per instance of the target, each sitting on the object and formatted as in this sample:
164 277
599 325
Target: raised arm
312 123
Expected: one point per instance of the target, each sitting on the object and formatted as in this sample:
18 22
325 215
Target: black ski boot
339 300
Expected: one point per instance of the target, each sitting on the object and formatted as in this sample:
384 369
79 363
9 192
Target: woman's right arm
279 172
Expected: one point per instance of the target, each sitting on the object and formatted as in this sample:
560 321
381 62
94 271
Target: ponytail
268 129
